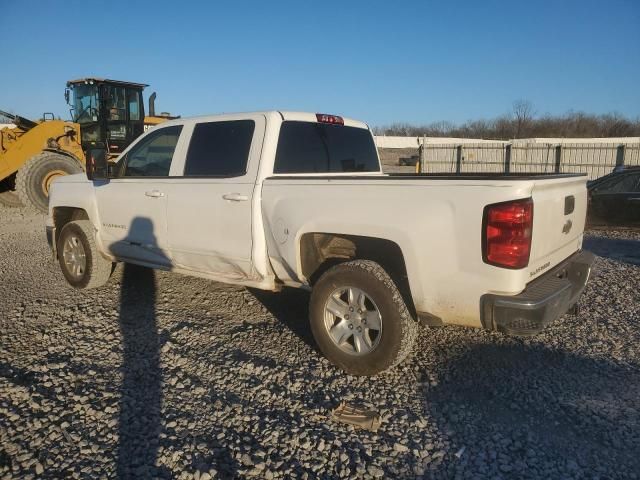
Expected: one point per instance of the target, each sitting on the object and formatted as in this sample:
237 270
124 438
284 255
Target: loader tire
8 195
35 177
10 199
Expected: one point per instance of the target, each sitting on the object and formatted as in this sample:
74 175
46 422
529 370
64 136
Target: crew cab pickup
287 199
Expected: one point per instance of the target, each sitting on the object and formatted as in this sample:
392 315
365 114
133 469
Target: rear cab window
312 148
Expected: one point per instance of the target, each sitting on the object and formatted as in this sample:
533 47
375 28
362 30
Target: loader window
85 103
133 98
219 149
152 156
116 105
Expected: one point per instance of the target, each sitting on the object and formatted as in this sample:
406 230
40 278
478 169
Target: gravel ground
164 376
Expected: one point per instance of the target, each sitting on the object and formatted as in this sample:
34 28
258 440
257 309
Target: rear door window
219 149
307 147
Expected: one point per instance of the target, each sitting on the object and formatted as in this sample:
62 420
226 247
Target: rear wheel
35 177
8 194
359 318
80 262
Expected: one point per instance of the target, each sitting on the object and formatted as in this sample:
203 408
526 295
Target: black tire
399 330
8 194
33 178
97 268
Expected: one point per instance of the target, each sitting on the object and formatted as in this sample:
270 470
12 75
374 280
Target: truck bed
436 220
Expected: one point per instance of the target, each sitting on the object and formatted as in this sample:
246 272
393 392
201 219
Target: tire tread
25 176
100 268
406 323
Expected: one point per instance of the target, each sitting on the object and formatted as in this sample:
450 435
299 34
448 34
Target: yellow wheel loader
107 114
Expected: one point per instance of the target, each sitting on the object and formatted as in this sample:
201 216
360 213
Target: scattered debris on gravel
356 416
158 375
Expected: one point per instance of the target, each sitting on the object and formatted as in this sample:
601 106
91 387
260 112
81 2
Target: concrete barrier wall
385 141
594 159
552 140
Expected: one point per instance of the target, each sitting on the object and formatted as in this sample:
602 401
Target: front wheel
80 262
359 318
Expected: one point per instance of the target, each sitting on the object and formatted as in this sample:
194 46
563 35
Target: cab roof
280 114
106 80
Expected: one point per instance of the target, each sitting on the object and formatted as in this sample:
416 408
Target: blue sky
381 62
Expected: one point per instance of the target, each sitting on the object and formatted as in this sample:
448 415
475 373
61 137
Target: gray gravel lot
164 376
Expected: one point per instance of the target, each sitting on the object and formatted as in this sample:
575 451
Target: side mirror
97 164
66 95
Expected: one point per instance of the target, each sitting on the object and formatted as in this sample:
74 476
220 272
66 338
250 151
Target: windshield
85 103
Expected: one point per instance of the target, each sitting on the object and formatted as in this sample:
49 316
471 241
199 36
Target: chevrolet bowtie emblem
567 226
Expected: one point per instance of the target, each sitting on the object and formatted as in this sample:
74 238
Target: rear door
133 207
210 205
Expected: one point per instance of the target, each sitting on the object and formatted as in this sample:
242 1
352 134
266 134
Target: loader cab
110 113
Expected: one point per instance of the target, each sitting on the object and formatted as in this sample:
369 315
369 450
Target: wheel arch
64 215
319 251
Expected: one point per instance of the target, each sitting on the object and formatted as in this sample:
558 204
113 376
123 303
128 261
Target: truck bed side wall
436 223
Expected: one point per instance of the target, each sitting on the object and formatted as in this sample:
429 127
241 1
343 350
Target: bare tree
523 114
522 123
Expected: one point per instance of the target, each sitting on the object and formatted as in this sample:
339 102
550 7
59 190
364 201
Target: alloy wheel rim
353 321
74 256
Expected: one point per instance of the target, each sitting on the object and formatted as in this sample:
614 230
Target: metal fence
594 159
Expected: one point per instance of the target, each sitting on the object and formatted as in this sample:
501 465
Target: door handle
154 193
235 197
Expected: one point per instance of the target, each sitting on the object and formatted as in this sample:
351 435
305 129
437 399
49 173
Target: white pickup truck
275 199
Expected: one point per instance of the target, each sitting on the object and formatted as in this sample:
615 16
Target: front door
133 207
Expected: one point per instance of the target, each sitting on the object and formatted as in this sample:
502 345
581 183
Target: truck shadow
141 391
291 307
623 250
539 404
141 414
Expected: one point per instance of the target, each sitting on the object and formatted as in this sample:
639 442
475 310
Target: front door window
151 157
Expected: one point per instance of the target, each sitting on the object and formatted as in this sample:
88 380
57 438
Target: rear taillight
506 233
332 119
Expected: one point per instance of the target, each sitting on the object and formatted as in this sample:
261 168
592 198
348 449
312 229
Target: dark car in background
615 198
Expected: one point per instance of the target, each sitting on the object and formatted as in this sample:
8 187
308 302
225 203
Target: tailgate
559 211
